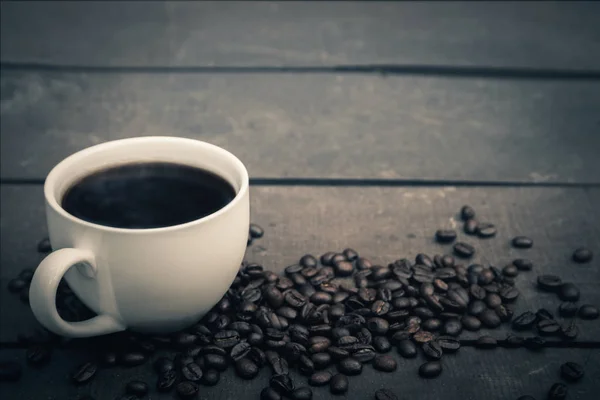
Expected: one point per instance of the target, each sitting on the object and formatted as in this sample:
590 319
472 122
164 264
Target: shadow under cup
159 279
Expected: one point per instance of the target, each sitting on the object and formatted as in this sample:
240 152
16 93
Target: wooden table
363 124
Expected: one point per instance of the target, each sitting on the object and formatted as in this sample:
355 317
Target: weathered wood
319 126
469 374
381 223
497 34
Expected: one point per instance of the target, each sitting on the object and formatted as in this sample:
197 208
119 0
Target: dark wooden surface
316 125
525 116
495 34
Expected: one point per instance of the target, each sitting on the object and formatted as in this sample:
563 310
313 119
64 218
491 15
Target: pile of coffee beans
328 317
570 372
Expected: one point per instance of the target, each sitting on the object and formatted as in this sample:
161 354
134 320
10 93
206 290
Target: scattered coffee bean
571 371
269 393
588 311
522 242
38 355
489 319
210 377
338 384
486 230
549 283
187 390
350 366
84 373
486 342
166 381
582 255
246 368
407 349
385 394
569 331
445 235
471 323
192 372
282 383
568 309
256 232
452 327
137 388
381 344
432 350
464 250
385 363
558 391
568 292
303 393
523 264
321 360
430 369
467 212
510 270
448 344
547 327
320 378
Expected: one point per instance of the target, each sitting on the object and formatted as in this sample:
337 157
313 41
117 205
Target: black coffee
147 195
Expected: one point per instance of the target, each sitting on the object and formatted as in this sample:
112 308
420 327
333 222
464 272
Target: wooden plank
498 34
469 374
319 126
381 223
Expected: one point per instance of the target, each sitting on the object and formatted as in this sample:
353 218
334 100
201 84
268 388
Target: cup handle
42 295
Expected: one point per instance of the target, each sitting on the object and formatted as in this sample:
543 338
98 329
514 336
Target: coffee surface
147 195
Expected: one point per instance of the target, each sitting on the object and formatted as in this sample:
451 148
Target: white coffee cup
155 280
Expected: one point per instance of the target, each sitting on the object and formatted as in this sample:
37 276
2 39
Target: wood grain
315 126
383 224
495 34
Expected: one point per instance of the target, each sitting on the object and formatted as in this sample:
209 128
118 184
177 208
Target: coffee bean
320 378
273 296
476 307
308 260
582 255
258 356
431 324
568 292
568 309
378 326
385 363
493 300
210 377
407 349
212 349
216 361
385 394
16 285
294 299
338 353
84 373
571 371
186 390
558 391
327 258
339 297
350 254
522 242
463 250
513 341
364 354
239 350
510 270
303 393
163 364
432 350
452 327
226 338
344 268
471 323
381 344
489 319
534 343
136 388
192 372
350 366
430 369
246 368
509 293
282 383
569 331
166 381
269 393
338 384
321 298
486 342
550 283
548 327
470 226
445 235
486 230
588 311
363 263
256 231
305 365
448 344
321 360
467 212
524 321
423 337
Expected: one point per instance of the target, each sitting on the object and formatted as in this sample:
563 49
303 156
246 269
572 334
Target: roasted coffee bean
210 377
582 255
431 324
38 355
363 354
378 326
524 321
280 366
226 338
340 297
363 263
294 299
432 350
493 300
380 273
450 305
166 381
239 351
486 277
269 393
287 312
16 285
470 323
344 268
571 371
570 331
338 257
327 258
448 344
437 261
184 339
84 373
568 309
463 250
385 363
489 319
350 254
548 327
293 351
568 292
542 313
423 337
550 283
452 327
321 298
163 364
284 283
137 388
588 311
338 353
308 260
381 344
192 372
298 280
346 341
246 368
504 313
282 383
476 307
467 212
257 355
423 259
510 270
522 242
558 391
508 293
338 384
320 346
273 296
305 365
486 342
430 369
309 272
212 349
470 226
380 307
350 366
293 269
445 235
320 378
534 343
338 333
513 341
321 360
181 360
385 394
523 264
407 349
303 393
256 231
486 230
186 390
215 361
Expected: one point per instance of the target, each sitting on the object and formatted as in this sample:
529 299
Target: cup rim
51 181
